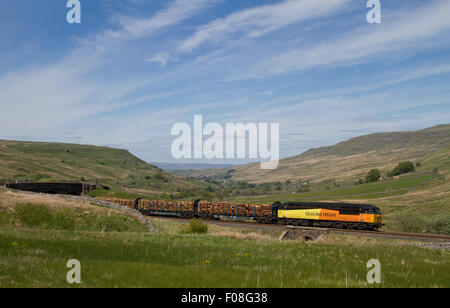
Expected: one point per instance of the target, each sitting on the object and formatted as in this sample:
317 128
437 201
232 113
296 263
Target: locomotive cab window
349 211
373 211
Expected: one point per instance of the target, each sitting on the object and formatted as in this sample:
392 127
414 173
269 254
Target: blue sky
134 68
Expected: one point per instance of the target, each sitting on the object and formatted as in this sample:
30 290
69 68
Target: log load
205 208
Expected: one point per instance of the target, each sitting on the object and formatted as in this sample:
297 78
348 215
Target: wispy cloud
261 20
400 33
176 12
68 88
162 59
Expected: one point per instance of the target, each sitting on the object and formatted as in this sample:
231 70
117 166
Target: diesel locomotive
330 215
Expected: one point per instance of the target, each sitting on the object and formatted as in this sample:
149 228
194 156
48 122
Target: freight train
309 214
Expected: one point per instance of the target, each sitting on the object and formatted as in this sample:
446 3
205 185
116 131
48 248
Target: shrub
410 222
440 224
303 189
373 175
402 168
159 176
197 226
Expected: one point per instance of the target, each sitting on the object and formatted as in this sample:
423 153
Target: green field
38 259
363 191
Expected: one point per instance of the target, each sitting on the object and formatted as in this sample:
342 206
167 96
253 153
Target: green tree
159 176
373 175
402 168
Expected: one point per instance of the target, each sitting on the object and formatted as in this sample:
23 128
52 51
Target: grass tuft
197 226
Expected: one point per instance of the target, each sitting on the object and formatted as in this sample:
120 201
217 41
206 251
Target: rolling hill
346 161
54 162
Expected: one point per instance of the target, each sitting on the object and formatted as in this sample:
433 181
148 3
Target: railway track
385 234
400 234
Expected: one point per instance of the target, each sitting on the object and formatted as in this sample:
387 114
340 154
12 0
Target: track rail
398 234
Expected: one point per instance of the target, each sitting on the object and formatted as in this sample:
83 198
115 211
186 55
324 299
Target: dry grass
322 167
241 234
19 210
348 160
10 199
326 167
174 227
363 241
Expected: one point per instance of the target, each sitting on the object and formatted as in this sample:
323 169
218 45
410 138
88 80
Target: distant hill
179 168
47 162
347 160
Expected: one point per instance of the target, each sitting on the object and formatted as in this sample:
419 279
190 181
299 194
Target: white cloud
60 95
261 20
267 93
176 12
132 27
408 31
162 59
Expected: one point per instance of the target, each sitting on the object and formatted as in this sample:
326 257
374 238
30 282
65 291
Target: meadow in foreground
116 252
38 259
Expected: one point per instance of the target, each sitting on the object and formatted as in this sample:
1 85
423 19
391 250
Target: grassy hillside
114 251
348 160
49 162
416 202
45 212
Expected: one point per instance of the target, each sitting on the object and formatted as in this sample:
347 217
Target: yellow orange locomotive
332 215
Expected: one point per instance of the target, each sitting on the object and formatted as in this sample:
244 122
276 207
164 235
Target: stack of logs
204 207
235 209
166 206
124 202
